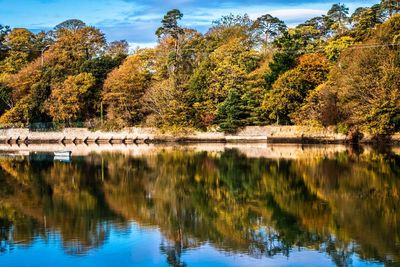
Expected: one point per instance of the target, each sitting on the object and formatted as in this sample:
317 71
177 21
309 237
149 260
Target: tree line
338 69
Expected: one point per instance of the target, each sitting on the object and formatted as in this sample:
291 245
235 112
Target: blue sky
137 20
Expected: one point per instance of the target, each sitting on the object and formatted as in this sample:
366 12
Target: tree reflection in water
337 203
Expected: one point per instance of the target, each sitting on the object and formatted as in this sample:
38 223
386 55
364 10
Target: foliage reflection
338 203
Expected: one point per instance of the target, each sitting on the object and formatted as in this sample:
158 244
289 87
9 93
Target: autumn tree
28 91
66 102
20 50
81 44
71 50
125 86
176 58
226 69
168 97
368 85
363 87
230 27
335 47
118 49
219 79
320 108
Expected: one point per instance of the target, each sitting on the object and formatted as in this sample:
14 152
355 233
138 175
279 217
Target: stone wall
273 134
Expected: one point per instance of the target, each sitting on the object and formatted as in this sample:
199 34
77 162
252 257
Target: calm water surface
185 207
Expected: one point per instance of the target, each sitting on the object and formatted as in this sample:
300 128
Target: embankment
252 134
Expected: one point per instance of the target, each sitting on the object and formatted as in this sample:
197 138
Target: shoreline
136 135
250 150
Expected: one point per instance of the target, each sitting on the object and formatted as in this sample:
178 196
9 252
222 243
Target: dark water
184 208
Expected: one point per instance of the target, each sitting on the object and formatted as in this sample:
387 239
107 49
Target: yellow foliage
67 100
125 86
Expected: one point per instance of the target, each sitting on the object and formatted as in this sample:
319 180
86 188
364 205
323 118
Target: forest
337 70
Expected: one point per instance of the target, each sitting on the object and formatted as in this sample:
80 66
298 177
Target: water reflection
339 203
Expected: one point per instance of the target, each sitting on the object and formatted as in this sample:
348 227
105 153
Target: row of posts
76 141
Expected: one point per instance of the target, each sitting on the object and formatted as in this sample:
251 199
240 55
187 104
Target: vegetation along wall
338 70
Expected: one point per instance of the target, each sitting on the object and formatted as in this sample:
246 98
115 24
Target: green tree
171 29
269 27
281 62
290 90
4 30
364 20
300 40
71 24
230 114
5 98
233 21
391 6
230 27
170 25
338 15
99 67
321 24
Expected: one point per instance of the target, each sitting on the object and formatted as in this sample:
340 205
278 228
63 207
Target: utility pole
42 53
101 112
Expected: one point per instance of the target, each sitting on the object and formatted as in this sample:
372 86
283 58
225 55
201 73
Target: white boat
64 154
65 159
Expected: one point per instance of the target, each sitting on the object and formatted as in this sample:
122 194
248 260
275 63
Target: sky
137 20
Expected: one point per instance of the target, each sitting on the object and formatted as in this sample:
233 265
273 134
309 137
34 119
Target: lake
200 205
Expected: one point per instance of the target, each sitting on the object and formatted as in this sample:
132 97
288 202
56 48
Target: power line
293 51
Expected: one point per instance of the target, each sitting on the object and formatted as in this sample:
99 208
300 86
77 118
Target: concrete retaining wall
251 134
272 134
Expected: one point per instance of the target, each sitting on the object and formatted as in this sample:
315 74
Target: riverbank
251 134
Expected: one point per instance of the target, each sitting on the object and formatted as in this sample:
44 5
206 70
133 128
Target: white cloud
297 13
134 45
